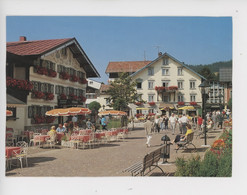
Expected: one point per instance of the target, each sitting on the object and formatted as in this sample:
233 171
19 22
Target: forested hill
214 67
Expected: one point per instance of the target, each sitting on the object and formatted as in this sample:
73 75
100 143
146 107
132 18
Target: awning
142 108
164 106
187 108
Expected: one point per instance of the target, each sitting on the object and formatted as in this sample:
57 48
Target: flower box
173 88
19 84
180 103
63 97
81 98
49 96
193 103
83 81
160 88
52 73
138 103
151 103
41 70
139 115
73 97
74 78
64 75
38 95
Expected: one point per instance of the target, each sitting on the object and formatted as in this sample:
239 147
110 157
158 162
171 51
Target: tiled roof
126 66
104 88
39 47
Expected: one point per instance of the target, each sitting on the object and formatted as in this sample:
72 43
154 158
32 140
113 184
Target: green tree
206 72
122 92
94 107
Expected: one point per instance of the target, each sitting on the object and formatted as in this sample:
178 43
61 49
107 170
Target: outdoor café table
99 135
41 138
59 136
9 151
83 138
113 133
85 131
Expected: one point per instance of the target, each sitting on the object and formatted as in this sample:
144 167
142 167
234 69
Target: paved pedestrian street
106 159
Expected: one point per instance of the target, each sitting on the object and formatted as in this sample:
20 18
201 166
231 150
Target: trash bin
165 154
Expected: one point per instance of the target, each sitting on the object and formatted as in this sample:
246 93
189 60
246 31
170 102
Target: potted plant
64 75
49 96
193 103
52 73
180 103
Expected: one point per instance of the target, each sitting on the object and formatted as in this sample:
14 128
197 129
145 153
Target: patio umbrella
113 112
9 113
68 111
187 108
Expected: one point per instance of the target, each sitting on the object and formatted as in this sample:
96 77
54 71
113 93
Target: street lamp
220 97
204 86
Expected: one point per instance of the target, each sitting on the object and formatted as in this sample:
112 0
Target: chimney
23 38
160 54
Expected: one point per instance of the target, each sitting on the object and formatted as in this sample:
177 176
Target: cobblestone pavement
105 160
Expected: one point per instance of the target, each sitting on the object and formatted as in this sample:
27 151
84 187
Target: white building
92 91
163 85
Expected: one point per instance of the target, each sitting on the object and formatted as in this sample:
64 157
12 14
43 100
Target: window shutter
30 111
67 91
56 90
51 90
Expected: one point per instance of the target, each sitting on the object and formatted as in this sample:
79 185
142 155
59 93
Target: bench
186 143
150 162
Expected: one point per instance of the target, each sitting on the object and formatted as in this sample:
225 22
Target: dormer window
165 61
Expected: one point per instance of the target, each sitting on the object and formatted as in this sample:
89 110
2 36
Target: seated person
52 132
60 129
90 125
182 138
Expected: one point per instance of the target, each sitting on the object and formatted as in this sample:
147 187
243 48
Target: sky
192 40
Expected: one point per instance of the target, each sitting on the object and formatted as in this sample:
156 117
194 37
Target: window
165 71
165 61
139 85
180 98
180 71
166 98
150 98
192 84
192 98
165 83
150 84
180 85
150 71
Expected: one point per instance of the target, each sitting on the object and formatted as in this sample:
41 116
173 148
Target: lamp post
204 86
221 96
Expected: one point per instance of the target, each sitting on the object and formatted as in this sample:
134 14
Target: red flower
19 84
73 97
193 103
82 98
52 73
160 88
83 81
173 88
64 75
138 103
151 103
180 103
139 115
63 96
49 96
41 70
74 78
38 94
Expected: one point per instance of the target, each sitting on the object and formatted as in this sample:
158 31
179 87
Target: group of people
183 122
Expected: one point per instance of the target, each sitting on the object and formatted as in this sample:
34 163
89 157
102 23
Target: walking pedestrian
156 122
199 122
184 120
214 119
180 124
173 121
148 125
220 119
